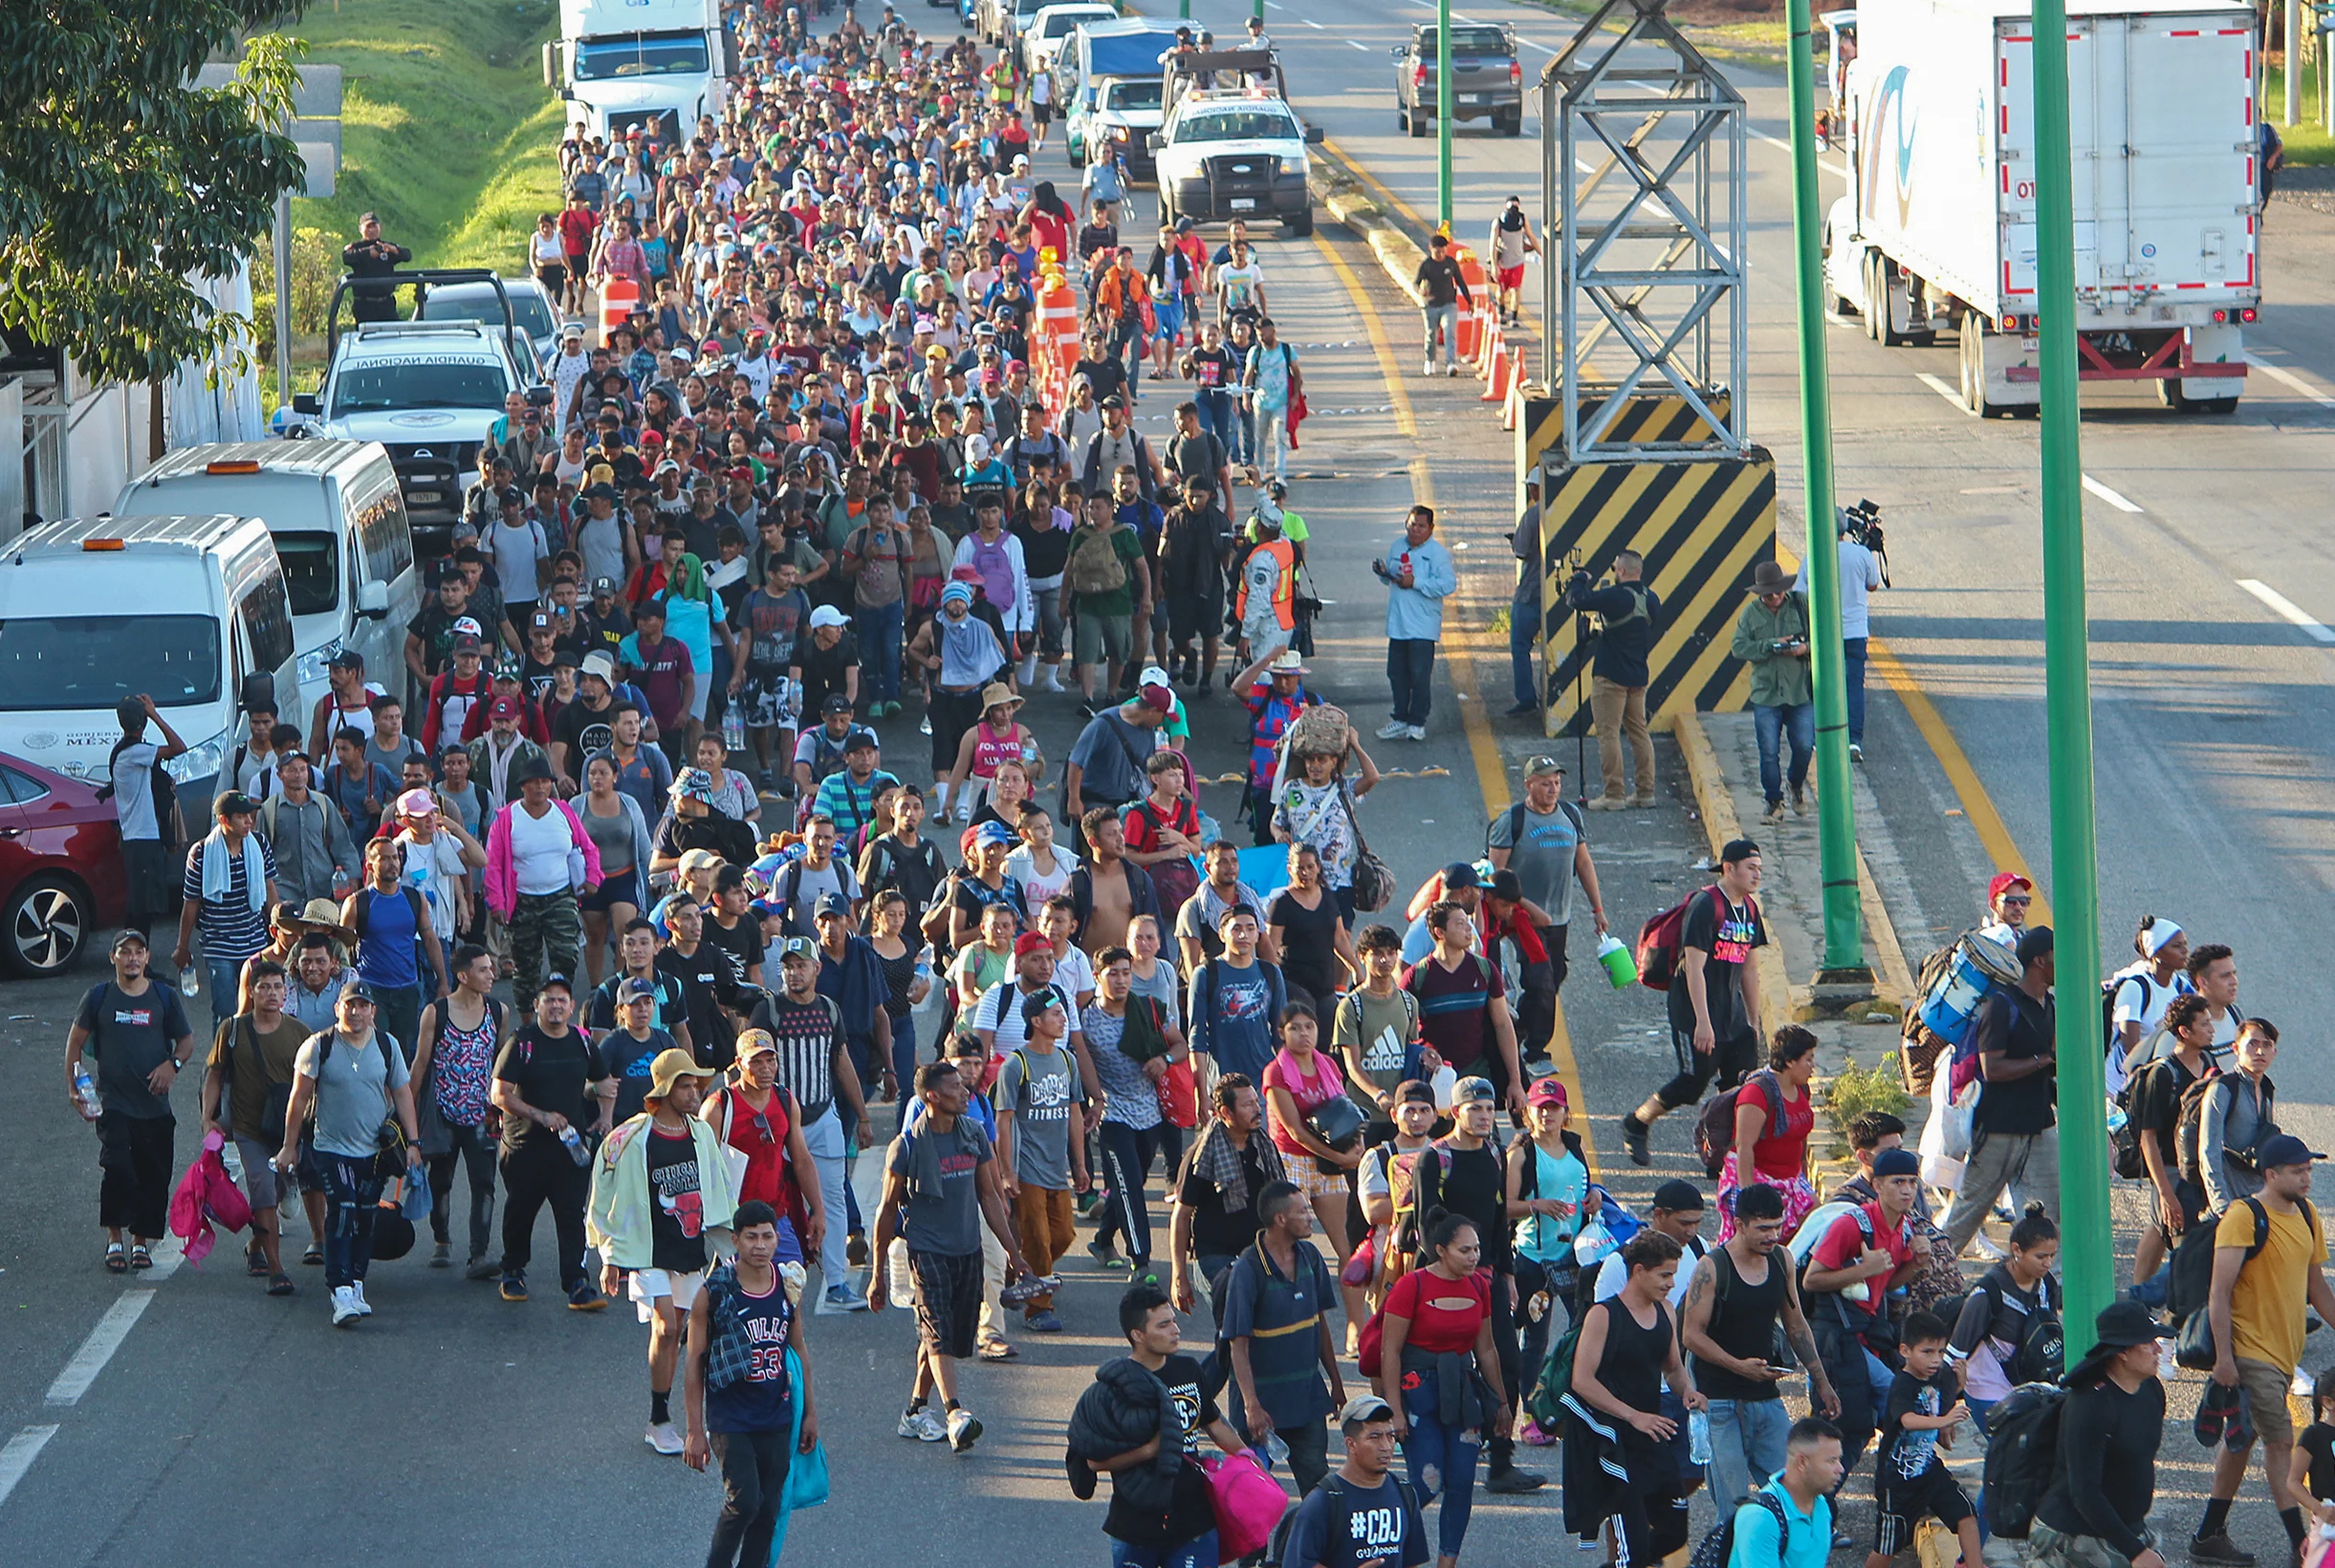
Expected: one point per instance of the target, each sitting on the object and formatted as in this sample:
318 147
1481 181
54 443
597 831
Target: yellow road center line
1490 769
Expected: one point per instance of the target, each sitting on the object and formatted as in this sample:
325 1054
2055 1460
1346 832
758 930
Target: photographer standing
1619 673
372 256
1860 574
1772 636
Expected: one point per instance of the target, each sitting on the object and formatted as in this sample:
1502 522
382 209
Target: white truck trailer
658 64
1937 231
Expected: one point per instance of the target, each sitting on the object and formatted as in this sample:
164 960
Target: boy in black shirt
1362 1516
1154 1338
1910 1481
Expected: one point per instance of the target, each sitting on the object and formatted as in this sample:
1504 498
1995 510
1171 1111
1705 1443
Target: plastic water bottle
1276 1450
900 1286
86 1091
1698 1438
924 964
190 983
577 1151
733 727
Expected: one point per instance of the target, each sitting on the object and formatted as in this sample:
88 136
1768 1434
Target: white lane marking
1531 43
2292 382
1351 44
1934 384
18 1456
2286 607
1837 170
98 1349
2108 495
1311 23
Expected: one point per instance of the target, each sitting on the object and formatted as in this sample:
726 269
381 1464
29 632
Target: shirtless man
1111 888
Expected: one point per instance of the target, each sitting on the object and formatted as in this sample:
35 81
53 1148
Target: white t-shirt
1075 973
1613 1274
2143 1003
133 789
431 869
1236 286
517 551
1037 887
539 848
1859 576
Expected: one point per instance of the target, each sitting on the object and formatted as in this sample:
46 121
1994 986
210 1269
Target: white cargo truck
1937 231
662 65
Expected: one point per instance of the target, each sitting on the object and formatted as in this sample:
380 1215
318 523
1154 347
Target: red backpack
1663 938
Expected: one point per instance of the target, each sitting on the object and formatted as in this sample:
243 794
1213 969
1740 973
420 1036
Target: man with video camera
1619 674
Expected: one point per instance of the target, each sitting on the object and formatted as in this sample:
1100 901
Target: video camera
1861 524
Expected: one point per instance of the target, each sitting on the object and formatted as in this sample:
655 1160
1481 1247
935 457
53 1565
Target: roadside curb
1398 255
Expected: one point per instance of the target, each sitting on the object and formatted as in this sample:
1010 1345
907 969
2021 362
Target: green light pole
1443 112
2086 1256
1836 805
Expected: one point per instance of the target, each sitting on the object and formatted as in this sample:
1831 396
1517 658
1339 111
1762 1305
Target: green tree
118 180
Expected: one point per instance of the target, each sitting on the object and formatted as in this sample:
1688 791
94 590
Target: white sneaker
1414 731
1450 367
922 1425
1426 366
963 1428
1856 753
1051 678
665 1437
364 1308
344 1307
1393 730
1984 1246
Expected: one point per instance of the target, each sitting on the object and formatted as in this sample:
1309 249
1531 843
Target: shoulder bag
1373 884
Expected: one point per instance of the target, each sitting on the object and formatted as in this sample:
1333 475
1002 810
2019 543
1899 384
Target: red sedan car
61 876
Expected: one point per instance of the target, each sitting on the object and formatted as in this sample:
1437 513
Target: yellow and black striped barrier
1701 524
1649 417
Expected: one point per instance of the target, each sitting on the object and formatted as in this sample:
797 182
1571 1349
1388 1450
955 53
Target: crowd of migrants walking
615 900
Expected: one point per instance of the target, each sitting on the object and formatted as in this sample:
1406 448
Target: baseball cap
1030 942
346 659
832 904
827 615
636 989
1474 1091
797 946
2033 942
2002 882
1460 874
357 991
836 703
417 804
1159 699
602 585
2285 1149
1537 767
1414 1091
1680 1197
235 803
1547 1092
467 642
754 1042
1363 1409
129 937
502 707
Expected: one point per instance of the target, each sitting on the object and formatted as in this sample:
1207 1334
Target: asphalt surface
224 1426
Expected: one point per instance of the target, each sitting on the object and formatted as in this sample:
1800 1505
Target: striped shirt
232 928
806 1034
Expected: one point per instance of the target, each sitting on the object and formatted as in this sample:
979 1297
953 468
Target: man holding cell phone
1772 636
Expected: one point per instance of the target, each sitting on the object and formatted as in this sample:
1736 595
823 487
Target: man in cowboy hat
660 1212
1772 638
2109 1429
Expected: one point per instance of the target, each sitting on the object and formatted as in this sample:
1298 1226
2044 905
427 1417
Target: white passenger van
341 531
193 612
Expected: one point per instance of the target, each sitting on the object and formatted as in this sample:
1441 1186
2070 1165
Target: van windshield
312 570
56 663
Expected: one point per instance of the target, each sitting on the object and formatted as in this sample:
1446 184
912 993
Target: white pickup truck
1937 231
1230 147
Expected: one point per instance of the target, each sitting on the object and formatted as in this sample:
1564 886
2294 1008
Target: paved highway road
2207 546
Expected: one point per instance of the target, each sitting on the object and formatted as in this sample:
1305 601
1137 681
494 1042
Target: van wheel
47 922
1418 123
1302 222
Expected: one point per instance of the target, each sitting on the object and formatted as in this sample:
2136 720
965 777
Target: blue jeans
1200 1552
1524 636
1411 672
1852 667
1442 1460
1443 319
1217 415
879 630
1746 1448
224 978
1771 721
1240 442
352 1191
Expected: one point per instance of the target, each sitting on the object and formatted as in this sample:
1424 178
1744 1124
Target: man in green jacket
1772 638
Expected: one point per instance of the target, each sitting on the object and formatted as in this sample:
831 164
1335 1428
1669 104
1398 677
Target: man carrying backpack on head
2015 1137
1715 992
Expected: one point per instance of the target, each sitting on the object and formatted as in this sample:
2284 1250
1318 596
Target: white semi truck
659 64
1937 231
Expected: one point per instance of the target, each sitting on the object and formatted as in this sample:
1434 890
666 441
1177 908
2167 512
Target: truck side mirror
307 402
373 600
1155 141
1314 136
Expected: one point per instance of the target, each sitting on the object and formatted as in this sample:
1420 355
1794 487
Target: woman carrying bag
1440 1373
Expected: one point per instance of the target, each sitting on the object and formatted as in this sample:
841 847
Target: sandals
280 1285
117 1261
314 1257
139 1258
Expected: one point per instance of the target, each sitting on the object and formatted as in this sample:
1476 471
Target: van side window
267 620
382 532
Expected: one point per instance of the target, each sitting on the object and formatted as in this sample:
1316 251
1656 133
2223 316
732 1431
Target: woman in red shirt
762 1126
1779 1147
1439 1370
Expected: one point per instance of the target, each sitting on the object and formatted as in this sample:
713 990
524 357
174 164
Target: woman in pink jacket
538 859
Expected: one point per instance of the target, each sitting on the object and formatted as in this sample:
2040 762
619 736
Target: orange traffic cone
1494 347
1495 390
1512 411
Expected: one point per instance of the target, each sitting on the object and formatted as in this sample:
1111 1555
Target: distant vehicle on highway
1052 26
662 65
1111 86
532 306
1235 150
1487 79
60 868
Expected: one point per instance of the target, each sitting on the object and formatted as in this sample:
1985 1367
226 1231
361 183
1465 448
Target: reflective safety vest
1284 588
1001 82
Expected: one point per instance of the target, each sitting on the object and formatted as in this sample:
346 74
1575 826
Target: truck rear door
2188 106
2099 164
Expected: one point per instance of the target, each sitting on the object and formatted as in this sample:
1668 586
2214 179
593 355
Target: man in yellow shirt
2269 1260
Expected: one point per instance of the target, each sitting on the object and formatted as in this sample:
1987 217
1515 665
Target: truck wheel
1418 123
1402 118
1302 222
1974 369
1512 124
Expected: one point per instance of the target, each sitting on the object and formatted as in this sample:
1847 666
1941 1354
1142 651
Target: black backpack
2022 1455
1717 1547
